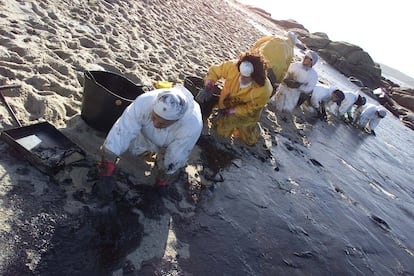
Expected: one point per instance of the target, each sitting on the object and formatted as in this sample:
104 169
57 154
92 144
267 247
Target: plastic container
105 97
44 146
163 84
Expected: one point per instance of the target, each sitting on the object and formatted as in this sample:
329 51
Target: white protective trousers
285 98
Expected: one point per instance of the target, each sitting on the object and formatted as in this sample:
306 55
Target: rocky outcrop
349 59
403 96
289 24
403 99
285 24
398 100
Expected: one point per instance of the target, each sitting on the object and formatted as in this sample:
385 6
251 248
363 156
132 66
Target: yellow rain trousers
278 52
248 103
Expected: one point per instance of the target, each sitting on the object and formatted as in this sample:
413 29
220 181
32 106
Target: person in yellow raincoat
245 92
278 52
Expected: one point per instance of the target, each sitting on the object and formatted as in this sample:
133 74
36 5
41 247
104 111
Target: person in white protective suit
351 99
326 97
300 78
165 121
368 116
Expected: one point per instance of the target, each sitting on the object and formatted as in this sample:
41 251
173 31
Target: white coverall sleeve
317 95
347 103
125 129
315 101
177 153
344 108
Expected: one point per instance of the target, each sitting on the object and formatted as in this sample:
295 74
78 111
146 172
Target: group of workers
300 83
169 121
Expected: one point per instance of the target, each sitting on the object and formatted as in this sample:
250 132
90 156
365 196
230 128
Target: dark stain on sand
95 243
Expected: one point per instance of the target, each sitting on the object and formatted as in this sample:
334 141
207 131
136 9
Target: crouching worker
368 117
164 121
351 99
245 92
324 96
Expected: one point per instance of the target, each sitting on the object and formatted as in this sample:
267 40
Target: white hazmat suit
285 98
135 131
322 95
348 102
366 116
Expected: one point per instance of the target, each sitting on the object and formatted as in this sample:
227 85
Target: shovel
3 99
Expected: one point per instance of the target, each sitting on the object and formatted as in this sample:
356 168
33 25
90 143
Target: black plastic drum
105 97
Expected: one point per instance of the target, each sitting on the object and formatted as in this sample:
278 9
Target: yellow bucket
163 84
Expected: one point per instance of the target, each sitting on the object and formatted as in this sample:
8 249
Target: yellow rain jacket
278 52
248 103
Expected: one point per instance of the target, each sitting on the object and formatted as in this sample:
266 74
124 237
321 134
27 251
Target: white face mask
244 84
246 68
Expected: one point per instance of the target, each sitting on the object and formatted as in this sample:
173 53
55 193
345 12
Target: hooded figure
369 116
300 78
324 96
163 120
278 52
351 99
245 92
313 56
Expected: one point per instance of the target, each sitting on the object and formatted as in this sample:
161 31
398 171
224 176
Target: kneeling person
368 117
324 96
166 121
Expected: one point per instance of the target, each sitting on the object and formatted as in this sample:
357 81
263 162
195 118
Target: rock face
403 96
398 100
285 24
349 59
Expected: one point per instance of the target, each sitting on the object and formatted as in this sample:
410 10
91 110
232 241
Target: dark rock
398 100
403 96
349 59
316 40
289 24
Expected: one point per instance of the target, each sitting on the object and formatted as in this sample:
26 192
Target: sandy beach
331 200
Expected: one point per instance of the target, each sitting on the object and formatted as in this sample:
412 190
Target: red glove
161 183
230 111
106 168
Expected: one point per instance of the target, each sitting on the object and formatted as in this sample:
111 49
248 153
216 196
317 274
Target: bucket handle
89 75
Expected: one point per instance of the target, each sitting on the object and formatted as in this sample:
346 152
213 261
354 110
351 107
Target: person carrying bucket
164 121
278 52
